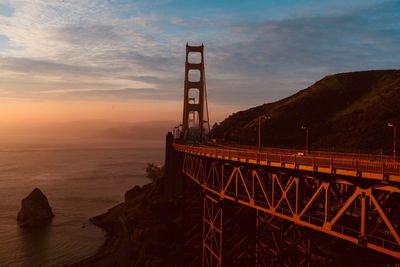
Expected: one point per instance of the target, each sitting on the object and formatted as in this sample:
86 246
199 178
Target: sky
123 60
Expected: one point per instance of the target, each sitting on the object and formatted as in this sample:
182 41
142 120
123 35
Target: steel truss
362 212
280 242
212 232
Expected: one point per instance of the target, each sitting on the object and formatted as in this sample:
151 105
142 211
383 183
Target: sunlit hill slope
346 111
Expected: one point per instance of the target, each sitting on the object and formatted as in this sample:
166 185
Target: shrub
153 172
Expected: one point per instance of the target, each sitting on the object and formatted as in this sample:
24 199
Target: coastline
116 236
140 231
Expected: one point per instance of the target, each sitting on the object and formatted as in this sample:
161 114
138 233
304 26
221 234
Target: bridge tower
195 125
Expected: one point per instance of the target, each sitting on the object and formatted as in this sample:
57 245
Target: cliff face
347 111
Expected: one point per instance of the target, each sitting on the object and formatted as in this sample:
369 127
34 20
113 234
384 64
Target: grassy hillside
346 111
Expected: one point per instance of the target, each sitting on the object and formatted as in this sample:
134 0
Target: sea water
81 178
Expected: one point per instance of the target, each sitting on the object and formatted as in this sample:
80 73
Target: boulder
35 210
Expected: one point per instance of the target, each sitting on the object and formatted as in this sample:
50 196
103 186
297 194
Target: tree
153 172
215 125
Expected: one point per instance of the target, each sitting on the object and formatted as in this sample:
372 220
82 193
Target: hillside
346 111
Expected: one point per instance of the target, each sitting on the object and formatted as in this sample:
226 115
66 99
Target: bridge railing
316 153
353 162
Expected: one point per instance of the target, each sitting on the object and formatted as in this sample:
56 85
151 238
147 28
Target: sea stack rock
35 210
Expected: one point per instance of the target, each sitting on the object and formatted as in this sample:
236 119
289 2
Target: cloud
37 66
289 55
109 95
123 95
92 49
92 35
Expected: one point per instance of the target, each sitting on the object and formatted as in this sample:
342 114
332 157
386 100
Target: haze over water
81 178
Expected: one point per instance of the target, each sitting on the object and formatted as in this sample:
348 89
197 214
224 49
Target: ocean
81 179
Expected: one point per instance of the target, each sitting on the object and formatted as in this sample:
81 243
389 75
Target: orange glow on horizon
51 111
25 113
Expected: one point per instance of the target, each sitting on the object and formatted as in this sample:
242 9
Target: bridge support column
173 185
192 214
212 231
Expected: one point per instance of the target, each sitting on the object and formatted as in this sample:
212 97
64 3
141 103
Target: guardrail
352 162
317 153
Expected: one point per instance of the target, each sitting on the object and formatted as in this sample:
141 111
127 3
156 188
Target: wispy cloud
135 50
102 95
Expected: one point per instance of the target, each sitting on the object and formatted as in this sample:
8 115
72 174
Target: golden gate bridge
282 193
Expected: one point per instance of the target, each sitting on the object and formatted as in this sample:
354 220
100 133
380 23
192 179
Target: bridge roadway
366 166
354 197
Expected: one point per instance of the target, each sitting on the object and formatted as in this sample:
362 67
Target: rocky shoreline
140 231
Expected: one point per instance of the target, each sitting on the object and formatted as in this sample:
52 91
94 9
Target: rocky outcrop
142 231
135 191
35 210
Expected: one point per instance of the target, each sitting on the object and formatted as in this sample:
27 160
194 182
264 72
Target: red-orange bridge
349 196
282 193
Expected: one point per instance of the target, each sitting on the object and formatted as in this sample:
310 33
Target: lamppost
394 125
267 117
304 127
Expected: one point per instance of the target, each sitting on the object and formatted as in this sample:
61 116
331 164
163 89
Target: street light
303 127
394 125
267 117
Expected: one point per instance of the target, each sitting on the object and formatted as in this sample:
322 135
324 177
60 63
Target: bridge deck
362 166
